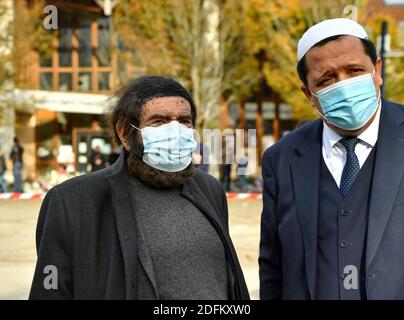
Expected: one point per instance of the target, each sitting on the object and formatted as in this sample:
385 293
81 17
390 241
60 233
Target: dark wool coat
86 229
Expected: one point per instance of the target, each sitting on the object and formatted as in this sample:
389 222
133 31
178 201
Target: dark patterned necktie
351 168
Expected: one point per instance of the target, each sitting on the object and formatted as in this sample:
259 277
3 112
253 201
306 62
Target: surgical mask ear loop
132 125
321 115
139 154
313 94
379 97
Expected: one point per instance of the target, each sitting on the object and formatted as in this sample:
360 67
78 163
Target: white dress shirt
334 153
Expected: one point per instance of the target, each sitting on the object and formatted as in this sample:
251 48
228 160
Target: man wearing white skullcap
333 217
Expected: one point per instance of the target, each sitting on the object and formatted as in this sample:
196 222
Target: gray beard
156 178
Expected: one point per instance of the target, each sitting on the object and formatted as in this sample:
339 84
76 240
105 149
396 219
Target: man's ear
308 94
378 68
120 129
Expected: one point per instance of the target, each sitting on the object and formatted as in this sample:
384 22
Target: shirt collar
369 136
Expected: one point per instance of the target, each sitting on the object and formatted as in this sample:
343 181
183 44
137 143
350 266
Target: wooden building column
224 115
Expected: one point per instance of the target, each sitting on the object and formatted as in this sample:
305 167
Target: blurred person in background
16 157
242 166
97 160
225 173
228 152
114 155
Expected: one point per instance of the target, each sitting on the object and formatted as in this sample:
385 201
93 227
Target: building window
85 81
104 42
82 58
65 43
85 43
45 81
104 81
65 82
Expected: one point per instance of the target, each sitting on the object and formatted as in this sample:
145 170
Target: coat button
345 212
344 243
127 236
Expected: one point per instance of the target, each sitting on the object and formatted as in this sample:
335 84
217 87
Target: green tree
199 42
21 32
5 56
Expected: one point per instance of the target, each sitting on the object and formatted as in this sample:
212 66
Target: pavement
17 247
18 220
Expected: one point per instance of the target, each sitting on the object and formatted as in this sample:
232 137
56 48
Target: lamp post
383 53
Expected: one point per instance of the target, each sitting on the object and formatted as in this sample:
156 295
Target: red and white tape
244 196
21 196
31 195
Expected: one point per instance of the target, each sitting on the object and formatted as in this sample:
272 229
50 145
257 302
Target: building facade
69 91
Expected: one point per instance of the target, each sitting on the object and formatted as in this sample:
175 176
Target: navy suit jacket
288 248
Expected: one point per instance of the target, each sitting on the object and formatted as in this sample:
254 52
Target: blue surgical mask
168 147
349 104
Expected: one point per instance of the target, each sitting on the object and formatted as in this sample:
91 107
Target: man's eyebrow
159 117
185 117
351 65
324 74
168 117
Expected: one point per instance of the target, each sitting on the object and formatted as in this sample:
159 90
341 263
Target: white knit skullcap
326 29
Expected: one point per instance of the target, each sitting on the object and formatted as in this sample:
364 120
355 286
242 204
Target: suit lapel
124 217
388 170
305 176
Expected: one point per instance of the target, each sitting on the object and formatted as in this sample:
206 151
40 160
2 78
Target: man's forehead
166 106
344 50
177 100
